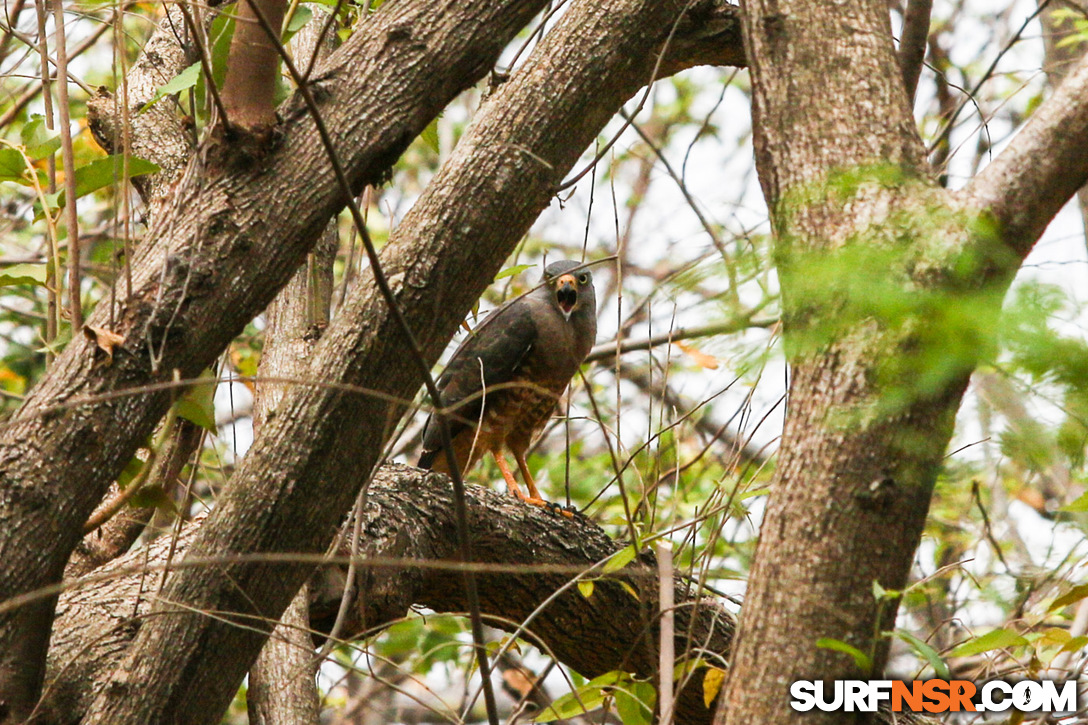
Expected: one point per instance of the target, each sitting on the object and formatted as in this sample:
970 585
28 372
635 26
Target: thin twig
609 350
118 502
667 647
75 304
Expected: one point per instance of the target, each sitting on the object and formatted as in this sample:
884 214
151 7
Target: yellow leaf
586 588
701 358
712 684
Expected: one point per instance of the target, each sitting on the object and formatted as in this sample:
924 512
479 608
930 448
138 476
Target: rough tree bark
157 134
228 239
250 87
843 171
282 682
441 257
1060 58
282 689
408 556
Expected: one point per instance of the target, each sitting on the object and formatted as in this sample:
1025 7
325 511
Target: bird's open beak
566 294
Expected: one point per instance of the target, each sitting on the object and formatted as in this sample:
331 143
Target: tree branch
289 497
282 685
231 236
912 44
527 554
250 87
1041 168
157 134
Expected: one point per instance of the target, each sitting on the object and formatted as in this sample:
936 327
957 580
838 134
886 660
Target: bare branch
157 134
282 687
250 87
912 45
1040 169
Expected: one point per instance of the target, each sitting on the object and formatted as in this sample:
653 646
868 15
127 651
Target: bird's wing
493 353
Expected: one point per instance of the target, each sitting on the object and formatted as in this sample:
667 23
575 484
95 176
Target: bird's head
570 286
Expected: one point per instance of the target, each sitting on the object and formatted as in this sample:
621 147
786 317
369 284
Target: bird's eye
583 278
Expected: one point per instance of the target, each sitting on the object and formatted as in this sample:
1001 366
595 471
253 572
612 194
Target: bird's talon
552 507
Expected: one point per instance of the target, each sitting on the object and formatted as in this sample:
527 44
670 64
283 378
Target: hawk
502 384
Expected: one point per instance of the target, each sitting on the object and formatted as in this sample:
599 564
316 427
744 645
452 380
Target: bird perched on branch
503 383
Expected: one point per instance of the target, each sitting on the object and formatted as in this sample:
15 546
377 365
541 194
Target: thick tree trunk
302 473
231 237
282 688
844 175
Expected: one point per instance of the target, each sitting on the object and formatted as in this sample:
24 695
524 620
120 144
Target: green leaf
997 639
181 82
222 31
1072 596
103 172
430 137
298 21
12 166
510 271
925 652
862 660
620 559
153 497
586 588
1080 505
635 704
132 469
586 698
32 274
39 141
1075 644
196 404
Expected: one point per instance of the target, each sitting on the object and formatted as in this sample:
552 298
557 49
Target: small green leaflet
926 652
298 22
1080 505
39 141
12 166
153 497
586 588
103 172
196 404
568 706
997 639
430 137
32 274
1075 644
862 660
635 703
509 271
181 82
584 699
132 469
621 559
